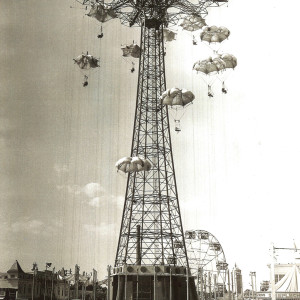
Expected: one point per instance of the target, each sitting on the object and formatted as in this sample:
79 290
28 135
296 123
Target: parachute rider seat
210 93
177 126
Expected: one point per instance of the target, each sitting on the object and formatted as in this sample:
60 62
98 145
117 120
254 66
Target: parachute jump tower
151 260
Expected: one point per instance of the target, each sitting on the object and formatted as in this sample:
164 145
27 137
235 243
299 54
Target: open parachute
177 99
214 34
101 13
133 164
229 59
209 66
85 63
192 23
215 68
131 51
169 35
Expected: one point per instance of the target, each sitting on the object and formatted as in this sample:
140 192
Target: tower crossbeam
151 200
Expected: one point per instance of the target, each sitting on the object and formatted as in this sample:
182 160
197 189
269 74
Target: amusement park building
281 269
43 285
288 287
239 281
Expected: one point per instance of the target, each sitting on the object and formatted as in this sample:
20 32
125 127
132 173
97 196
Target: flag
48 265
34 268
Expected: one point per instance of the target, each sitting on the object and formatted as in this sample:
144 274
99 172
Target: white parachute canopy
229 59
86 61
169 35
101 13
177 97
132 50
192 23
215 68
210 66
214 34
133 164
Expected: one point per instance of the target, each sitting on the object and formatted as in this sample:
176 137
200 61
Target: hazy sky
237 158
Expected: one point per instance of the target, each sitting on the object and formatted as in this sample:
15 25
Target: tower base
137 282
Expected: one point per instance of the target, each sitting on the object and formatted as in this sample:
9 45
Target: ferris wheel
207 263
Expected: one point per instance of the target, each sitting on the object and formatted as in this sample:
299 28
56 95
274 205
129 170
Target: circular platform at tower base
144 282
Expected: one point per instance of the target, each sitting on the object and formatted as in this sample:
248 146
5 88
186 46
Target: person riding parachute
132 50
209 68
86 62
177 99
101 13
230 64
169 35
215 68
191 24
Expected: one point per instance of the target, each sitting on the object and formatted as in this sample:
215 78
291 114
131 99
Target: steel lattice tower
151 260
151 201
151 218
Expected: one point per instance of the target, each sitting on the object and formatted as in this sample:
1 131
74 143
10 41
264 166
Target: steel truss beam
151 199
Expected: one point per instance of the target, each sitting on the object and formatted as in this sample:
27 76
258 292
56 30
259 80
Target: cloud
92 189
92 194
95 202
72 189
30 226
103 228
60 169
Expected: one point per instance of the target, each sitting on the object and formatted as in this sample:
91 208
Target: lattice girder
155 12
151 200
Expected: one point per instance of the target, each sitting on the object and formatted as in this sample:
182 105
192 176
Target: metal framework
151 229
151 200
135 12
207 262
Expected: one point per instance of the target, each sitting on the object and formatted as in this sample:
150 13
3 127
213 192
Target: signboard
287 295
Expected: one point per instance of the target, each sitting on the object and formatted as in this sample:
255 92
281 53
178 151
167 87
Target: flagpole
69 290
34 269
52 283
108 282
48 265
272 275
64 284
94 283
45 284
82 290
32 285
